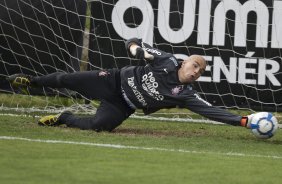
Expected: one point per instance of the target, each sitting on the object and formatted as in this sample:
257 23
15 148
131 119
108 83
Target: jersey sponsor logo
176 90
150 85
199 98
138 95
153 51
174 61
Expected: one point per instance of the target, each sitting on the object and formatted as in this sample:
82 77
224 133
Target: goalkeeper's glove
140 53
246 121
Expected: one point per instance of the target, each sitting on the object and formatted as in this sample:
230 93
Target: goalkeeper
164 82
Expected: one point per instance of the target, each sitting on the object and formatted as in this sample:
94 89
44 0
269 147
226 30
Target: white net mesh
240 40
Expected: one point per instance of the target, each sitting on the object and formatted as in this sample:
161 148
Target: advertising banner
241 40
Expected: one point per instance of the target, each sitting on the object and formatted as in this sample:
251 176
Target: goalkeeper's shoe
54 120
51 120
19 80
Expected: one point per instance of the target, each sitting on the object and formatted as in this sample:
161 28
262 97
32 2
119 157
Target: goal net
240 39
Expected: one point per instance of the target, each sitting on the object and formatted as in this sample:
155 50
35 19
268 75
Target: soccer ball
264 125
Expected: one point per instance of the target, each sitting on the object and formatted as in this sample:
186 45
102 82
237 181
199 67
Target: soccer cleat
19 80
54 120
51 120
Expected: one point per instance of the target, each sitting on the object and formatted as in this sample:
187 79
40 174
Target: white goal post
240 39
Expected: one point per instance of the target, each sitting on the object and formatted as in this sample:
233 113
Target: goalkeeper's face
191 69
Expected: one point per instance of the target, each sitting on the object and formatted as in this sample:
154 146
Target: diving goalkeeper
164 82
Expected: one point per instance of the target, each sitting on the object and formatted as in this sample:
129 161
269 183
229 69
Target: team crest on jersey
176 90
103 73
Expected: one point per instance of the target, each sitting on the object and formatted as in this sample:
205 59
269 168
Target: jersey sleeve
198 105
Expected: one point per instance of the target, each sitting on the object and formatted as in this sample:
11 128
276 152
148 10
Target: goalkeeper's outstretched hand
246 120
140 53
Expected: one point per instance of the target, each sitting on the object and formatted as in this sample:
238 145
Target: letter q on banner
144 30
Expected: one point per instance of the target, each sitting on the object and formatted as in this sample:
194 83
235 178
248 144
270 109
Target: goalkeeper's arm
198 105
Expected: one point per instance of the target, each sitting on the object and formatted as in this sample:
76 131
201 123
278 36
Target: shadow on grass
158 133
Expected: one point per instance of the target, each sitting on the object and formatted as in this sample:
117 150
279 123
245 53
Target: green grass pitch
139 151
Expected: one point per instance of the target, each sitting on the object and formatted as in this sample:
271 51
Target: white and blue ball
264 125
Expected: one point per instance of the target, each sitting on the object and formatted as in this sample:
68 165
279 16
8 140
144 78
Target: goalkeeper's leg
108 116
91 84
